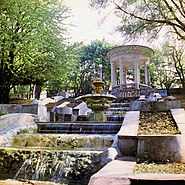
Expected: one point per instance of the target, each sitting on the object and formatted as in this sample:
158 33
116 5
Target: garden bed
156 123
160 168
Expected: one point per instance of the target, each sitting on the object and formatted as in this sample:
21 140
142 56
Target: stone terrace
120 171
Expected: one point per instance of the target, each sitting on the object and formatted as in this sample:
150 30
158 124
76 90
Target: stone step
79 128
120 104
116 118
74 142
116 110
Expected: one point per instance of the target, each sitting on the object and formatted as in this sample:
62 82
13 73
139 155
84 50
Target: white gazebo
133 58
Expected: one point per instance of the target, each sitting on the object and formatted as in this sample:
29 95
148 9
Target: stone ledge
115 172
127 136
153 176
179 117
130 124
161 147
109 181
155 105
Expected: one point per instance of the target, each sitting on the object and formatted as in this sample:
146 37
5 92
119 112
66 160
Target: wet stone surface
54 166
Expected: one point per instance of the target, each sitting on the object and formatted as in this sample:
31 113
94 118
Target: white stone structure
123 59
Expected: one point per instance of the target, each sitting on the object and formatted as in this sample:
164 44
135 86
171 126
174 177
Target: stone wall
65 165
162 148
127 136
152 147
37 109
63 141
155 105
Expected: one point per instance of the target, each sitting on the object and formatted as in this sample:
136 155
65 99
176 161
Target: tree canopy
66 77
32 41
168 67
146 19
149 16
162 69
81 68
91 57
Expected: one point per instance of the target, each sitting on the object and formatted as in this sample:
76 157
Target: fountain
63 152
66 151
98 102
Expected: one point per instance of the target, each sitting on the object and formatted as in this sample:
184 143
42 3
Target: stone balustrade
130 90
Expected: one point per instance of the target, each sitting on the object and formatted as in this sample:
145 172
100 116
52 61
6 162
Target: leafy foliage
148 17
81 68
66 77
162 71
91 57
32 42
178 56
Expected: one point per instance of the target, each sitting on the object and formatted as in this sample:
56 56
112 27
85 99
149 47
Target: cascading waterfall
46 166
22 168
57 167
87 144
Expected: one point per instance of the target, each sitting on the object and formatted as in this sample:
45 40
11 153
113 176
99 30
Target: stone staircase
79 128
117 111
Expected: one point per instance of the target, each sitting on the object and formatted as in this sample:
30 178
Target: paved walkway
120 172
114 173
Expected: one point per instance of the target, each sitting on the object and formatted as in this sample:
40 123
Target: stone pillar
113 75
100 72
136 74
124 76
149 79
147 75
121 72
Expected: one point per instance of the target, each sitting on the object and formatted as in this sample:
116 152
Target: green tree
91 57
66 77
178 56
31 42
162 70
81 68
143 17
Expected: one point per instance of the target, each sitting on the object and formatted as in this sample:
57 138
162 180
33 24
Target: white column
124 76
100 72
34 89
136 74
121 72
113 75
149 79
147 75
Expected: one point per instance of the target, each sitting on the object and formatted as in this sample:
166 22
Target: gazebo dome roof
130 53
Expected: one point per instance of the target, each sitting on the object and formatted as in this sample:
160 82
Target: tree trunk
38 89
4 93
4 85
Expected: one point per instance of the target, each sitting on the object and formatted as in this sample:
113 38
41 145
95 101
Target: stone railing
130 90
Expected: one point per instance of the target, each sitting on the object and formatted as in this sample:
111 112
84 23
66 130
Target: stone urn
97 102
98 86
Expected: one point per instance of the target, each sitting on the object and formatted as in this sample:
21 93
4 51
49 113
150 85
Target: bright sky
89 25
